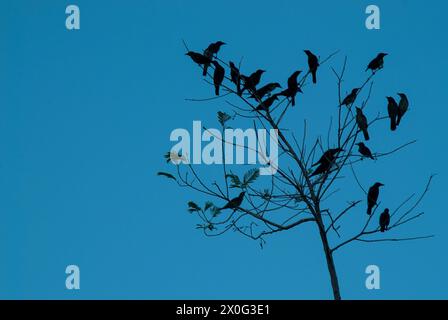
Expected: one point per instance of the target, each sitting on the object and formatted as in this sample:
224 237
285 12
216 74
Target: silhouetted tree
297 193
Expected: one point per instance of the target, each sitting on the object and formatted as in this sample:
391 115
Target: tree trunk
330 262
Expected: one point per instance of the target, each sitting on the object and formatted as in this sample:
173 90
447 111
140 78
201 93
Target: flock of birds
250 83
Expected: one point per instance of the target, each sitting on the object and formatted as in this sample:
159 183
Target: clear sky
85 117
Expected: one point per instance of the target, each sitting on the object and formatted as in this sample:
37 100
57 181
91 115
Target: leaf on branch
193 207
208 205
215 211
165 174
234 180
223 117
250 176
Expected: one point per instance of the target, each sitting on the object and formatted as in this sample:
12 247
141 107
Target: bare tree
293 196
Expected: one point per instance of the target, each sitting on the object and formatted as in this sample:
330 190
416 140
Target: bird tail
314 77
366 134
369 210
293 101
383 228
238 88
217 90
398 120
393 124
204 72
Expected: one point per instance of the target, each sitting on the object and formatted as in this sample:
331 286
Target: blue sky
85 118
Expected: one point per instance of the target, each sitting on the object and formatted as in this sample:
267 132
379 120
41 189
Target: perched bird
235 202
235 77
403 106
324 167
325 162
348 100
265 90
293 82
361 120
328 155
266 104
198 57
213 48
372 196
218 76
210 53
364 151
377 63
392 109
252 81
384 220
313 64
293 87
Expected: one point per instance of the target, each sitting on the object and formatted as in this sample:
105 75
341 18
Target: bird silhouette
364 151
266 104
198 57
361 120
293 88
350 98
372 196
328 155
235 202
403 106
325 162
384 220
392 110
210 52
218 76
377 63
265 90
313 64
251 82
235 77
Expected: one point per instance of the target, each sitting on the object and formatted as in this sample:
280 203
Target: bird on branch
265 90
313 64
198 58
293 88
377 63
328 155
235 77
384 220
235 202
218 76
211 51
251 82
266 104
362 123
364 150
403 106
349 99
325 162
372 196
392 110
